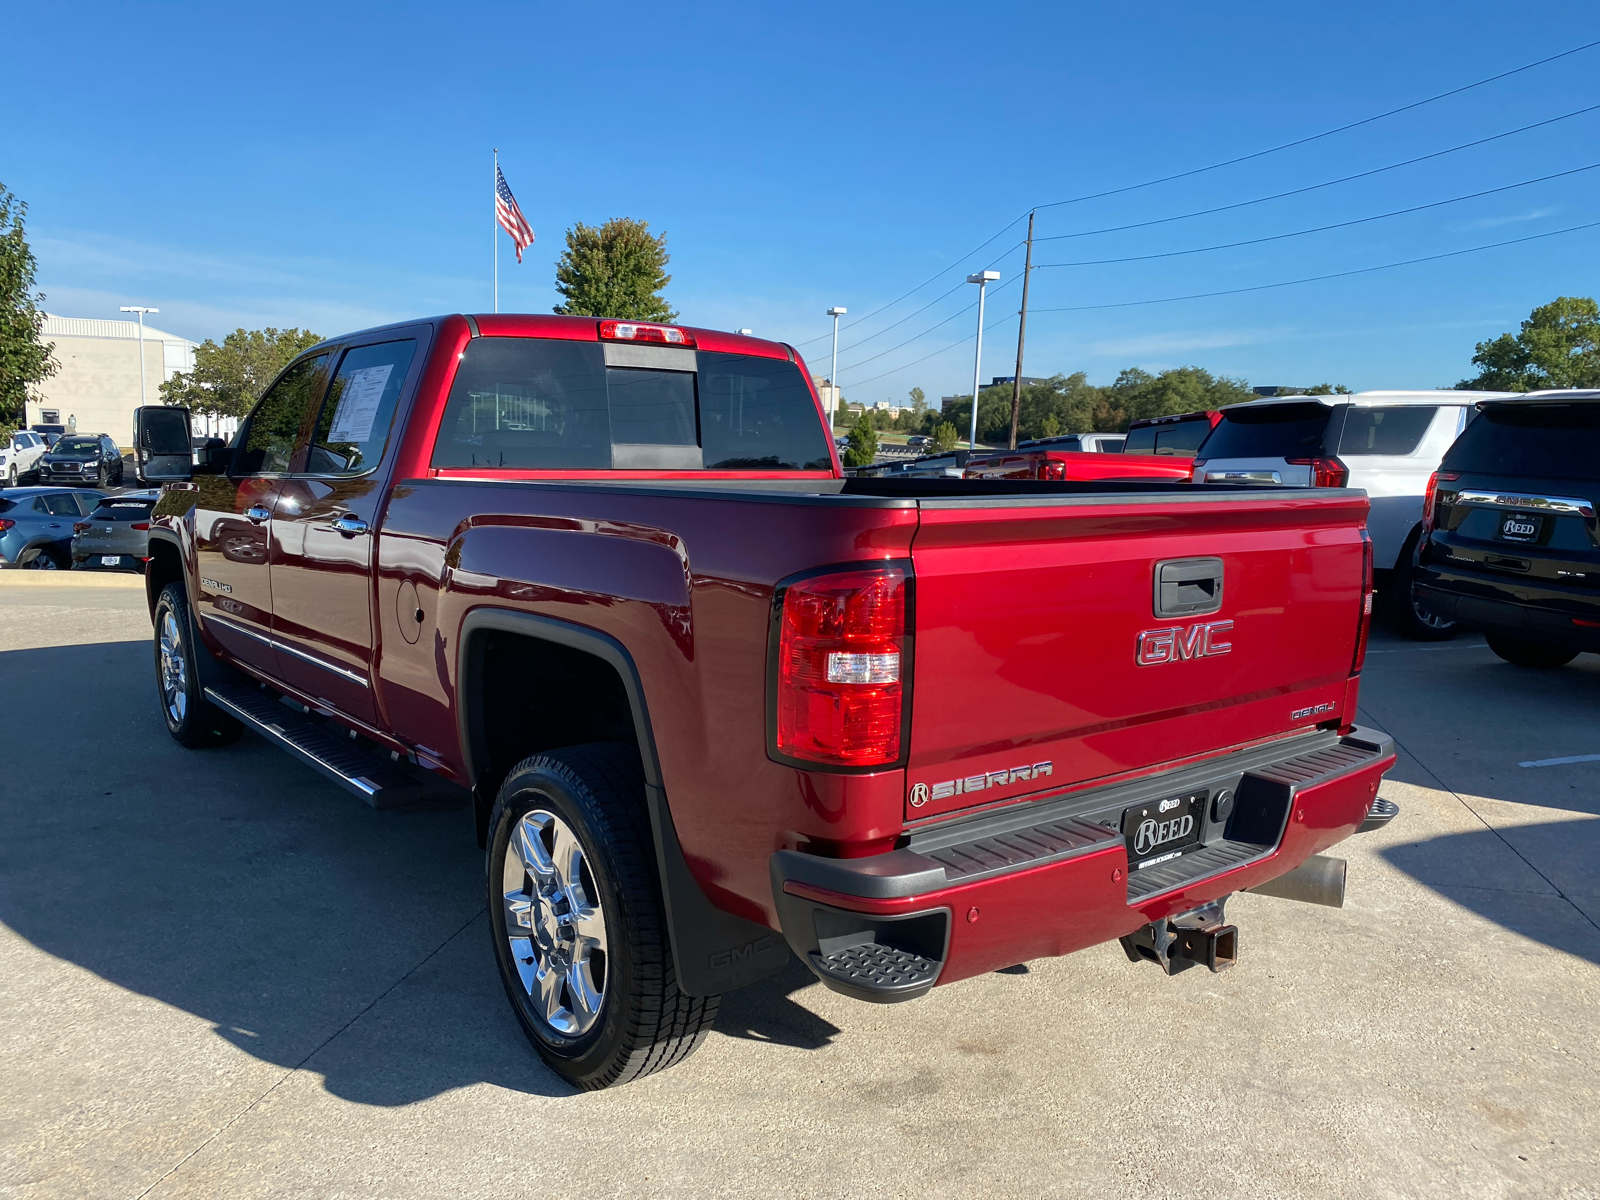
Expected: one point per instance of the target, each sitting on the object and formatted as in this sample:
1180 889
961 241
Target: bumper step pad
381 784
1382 812
878 967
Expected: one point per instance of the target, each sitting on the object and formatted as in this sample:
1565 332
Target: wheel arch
714 951
165 566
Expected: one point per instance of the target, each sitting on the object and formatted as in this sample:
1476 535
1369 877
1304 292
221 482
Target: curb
72 579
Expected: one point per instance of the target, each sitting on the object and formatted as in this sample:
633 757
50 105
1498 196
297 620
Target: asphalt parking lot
220 975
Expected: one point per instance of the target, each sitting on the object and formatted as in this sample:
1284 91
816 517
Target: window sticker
358 404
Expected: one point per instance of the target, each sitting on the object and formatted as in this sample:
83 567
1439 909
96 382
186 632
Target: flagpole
494 195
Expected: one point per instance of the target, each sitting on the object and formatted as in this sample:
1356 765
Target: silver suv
1387 443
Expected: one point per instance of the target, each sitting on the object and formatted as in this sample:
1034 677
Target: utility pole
1022 329
833 374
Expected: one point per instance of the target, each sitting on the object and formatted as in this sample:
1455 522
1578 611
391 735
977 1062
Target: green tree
24 359
1327 389
1049 427
1137 394
919 404
1558 346
945 437
228 379
863 442
614 270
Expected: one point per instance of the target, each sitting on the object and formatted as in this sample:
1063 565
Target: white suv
20 456
1388 443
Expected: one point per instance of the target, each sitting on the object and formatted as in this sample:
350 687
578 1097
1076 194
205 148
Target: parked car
919 441
669 648
1511 544
1088 443
1386 443
1048 462
116 535
1179 435
36 525
91 459
51 433
19 457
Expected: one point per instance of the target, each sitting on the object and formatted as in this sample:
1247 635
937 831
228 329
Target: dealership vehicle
1034 461
1510 541
51 433
1089 443
91 459
19 457
115 536
36 525
1386 443
718 704
1179 435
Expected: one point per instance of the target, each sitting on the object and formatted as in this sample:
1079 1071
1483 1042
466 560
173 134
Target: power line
1133 187
918 337
1278 237
1261 287
1009 317
1206 212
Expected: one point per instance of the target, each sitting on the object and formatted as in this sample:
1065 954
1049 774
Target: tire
1407 617
1538 656
11 476
121 471
192 720
44 561
575 820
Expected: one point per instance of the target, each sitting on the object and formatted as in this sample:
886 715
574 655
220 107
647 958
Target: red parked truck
1046 462
717 704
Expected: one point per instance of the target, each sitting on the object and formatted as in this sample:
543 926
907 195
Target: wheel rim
1424 617
174 670
555 925
43 562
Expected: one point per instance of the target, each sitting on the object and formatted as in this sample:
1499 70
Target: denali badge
920 793
214 585
1179 643
1301 713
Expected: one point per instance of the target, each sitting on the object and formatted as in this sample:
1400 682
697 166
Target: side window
267 440
1397 430
87 502
353 425
62 504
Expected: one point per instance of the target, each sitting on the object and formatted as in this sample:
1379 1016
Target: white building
97 387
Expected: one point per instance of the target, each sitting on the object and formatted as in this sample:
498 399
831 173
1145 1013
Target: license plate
1164 829
1520 527
111 560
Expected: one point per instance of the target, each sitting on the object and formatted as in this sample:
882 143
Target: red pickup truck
717 704
1046 462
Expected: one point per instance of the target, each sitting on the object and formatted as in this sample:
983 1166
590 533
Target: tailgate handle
1188 587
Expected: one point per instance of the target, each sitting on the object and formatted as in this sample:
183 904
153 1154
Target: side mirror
213 458
161 444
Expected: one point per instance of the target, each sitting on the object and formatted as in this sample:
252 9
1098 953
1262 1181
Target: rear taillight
1325 472
1052 470
639 331
142 526
80 527
6 523
1364 628
1429 492
840 670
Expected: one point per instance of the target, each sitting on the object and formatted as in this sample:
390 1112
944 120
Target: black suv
1511 543
83 460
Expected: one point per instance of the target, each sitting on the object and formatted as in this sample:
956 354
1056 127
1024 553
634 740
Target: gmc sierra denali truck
718 705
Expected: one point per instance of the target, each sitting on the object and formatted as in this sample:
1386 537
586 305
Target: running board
380 784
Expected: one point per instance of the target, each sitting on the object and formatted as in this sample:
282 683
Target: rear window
1181 437
547 404
123 510
1271 431
1394 430
1557 441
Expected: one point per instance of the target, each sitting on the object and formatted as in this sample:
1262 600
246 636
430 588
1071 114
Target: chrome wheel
555 925
44 561
174 671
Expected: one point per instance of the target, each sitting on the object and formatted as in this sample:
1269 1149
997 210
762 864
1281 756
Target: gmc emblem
1177 644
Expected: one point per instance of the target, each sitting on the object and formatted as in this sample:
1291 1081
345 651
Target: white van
1388 443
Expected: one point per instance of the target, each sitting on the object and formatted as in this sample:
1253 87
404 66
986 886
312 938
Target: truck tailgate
1029 614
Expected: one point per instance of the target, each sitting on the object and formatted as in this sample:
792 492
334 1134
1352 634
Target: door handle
348 525
257 514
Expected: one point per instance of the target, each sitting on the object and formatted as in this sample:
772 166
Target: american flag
509 215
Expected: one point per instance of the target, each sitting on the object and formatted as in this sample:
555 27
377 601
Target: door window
1395 430
62 504
270 434
353 425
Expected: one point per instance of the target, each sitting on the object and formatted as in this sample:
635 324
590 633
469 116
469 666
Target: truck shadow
1487 872
236 885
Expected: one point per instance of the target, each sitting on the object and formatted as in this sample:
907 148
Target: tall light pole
983 279
833 371
135 308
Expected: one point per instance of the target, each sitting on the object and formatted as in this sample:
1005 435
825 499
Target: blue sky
329 166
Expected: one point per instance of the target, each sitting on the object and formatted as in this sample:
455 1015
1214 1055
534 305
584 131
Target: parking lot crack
1462 800
318 1049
